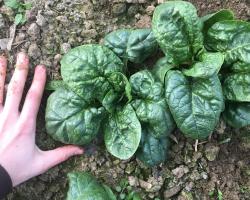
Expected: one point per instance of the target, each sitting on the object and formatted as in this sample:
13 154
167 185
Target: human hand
19 155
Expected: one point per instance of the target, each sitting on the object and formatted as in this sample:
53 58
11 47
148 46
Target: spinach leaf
210 19
236 87
161 67
195 103
150 105
120 89
209 65
122 132
87 69
231 38
70 119
155 117
152 151
177 29
83 186
132 45
237 114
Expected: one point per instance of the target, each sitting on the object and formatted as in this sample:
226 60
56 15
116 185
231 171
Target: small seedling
19 9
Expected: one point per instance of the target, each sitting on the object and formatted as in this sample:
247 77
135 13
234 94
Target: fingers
57 156
34 96
3 66
15 88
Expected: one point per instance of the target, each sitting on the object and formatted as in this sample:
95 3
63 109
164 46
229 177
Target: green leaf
144 86
70 119
195 103
133 45
231 38
177 29
27 6
150 105
111 100
162 66
86 69
54 85
120 89
152 151
83 186
210 19
14 4
237 114
122 133
19 19
154 116
209 65
236 87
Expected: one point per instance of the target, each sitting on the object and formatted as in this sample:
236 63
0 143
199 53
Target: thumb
54 157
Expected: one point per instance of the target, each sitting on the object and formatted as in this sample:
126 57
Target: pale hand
19 154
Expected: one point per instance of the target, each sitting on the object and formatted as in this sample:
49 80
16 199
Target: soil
220 169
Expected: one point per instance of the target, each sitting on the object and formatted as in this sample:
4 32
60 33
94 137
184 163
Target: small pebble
119 9
34 51
34 31
65 47
40 20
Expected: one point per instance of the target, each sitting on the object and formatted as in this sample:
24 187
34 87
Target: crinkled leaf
177 29
162 66
150 105
195 103
155 117
231 38
133 45
84 186
152 151
69 119
240 67
237 114
111 100
209 65
86 70
144 86
236 87
210 19
122 133
120 89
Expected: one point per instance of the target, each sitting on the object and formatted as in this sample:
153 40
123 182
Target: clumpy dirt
220 169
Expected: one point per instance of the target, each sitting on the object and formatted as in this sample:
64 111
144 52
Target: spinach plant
232 38
192 88
205 71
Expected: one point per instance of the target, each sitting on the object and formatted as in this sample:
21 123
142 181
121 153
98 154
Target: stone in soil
172 191
34 31
180 171
4 43
211 151
34 51
119 9
40 20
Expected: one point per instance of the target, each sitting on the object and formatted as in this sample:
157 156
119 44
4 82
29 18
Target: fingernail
40 68
80 151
